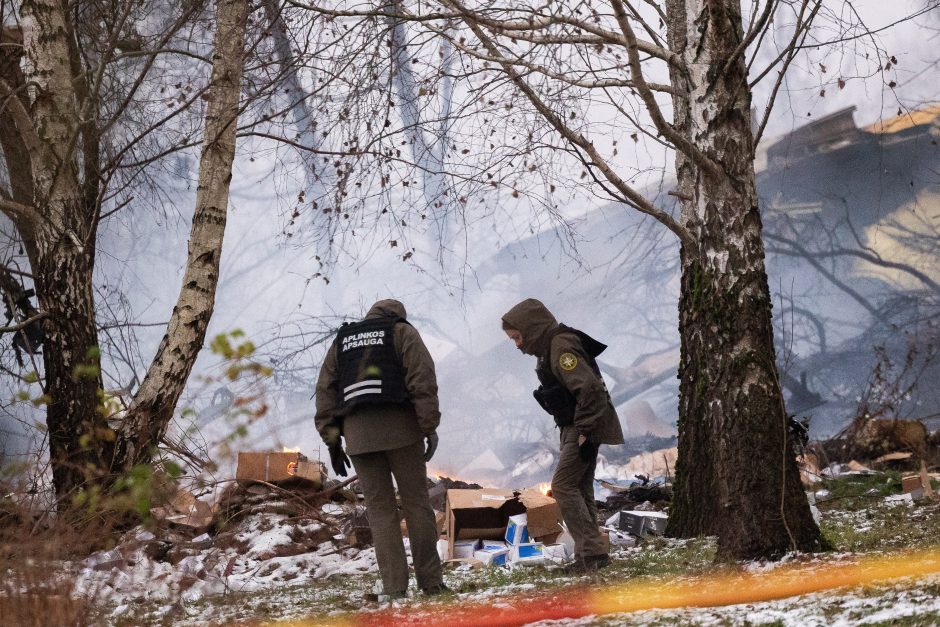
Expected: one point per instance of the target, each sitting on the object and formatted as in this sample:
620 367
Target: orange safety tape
723 588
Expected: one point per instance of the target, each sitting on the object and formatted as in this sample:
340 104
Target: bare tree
153 405
62 157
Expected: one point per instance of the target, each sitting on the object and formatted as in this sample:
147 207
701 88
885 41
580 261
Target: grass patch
655 557
854 492
929 619
883 528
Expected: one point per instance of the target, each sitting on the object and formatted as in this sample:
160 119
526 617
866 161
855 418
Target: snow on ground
343 595
269 565
839 608
260 554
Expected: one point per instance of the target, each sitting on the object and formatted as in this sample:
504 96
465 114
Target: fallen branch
337 487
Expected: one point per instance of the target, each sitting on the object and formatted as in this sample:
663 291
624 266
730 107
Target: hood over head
535 322
386 307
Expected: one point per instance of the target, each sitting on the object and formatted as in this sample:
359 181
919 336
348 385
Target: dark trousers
573 488
375 472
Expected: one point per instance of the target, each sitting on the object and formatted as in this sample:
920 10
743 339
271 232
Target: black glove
432 446
338 459
588 451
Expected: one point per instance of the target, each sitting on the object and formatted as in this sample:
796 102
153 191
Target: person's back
377 389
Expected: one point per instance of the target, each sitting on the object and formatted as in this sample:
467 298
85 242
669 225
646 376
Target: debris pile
641 493
495 527
868 446
293 525
254 534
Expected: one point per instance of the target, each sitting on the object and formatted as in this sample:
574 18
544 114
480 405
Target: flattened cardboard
478 513
909 483
469 561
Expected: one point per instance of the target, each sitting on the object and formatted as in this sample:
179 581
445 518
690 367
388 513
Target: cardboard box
527 553
464 548
637 523
909 483
272 466
543 516
517 531
493 545
493 557
479 514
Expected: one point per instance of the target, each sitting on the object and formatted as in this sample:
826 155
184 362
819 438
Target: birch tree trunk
153 405
62 253
736 476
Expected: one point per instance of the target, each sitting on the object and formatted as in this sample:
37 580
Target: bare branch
810 257
25 323
19 211
757 29
646 94
865 255
638 200
790 53
24 124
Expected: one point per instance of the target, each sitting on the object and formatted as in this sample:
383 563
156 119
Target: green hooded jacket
595 416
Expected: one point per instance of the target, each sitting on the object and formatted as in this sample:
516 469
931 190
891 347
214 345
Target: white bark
155 401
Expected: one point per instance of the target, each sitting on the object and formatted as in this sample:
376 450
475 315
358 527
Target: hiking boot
434 590
596 562
588 564
577 567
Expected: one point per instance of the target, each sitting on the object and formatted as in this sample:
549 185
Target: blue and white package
517 531
465 548
492 557
527 553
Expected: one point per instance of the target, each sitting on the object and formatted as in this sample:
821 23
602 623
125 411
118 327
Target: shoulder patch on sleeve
568 361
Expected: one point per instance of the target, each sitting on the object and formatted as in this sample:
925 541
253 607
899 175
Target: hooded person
377 389
571 390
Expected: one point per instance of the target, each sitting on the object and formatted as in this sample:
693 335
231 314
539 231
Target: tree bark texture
61 253
736 476
152 408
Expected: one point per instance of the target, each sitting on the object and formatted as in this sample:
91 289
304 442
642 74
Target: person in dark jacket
572 390
377 389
